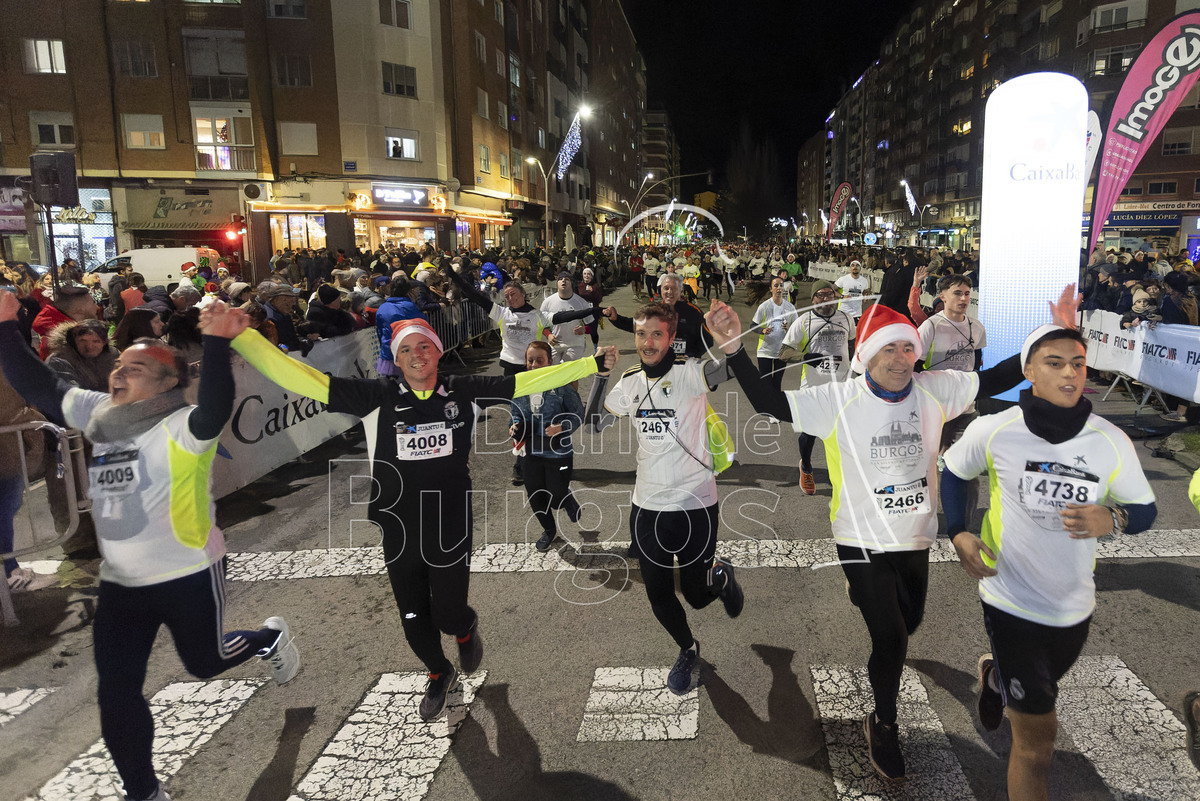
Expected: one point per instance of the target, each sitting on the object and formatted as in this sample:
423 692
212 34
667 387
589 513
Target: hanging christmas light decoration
570 147
912 201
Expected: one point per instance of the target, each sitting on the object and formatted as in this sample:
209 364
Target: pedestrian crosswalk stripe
844 698
1135 743
186 716
384 751
745 553
630 703
14 702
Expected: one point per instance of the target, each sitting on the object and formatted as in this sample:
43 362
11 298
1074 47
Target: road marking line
14 702
525 558
384 751
628 704
186 716
1135 743
844 697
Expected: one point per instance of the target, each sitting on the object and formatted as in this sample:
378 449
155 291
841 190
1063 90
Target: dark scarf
887 394
1053 423
113 423
660 369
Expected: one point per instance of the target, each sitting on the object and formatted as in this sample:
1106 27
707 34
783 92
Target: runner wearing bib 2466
419 448
1051 464
880 431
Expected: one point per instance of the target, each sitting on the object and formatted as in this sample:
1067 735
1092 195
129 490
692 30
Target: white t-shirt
1042 574
852 290
757 264
669 417
568 341
777 317
948 345
151 500
883 456
651 265
812 333
517 330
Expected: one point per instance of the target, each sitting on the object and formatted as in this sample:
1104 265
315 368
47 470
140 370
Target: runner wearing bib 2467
674 511
419 449
1051 464
881 431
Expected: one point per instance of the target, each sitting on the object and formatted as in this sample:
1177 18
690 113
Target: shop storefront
183 217
85 232
481 232
295 231
1134 230
411 215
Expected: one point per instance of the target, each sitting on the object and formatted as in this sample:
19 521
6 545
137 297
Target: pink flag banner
841 196
1155 86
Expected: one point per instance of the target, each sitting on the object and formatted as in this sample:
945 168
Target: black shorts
1031 657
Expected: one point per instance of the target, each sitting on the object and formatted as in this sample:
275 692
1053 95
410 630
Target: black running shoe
679 680
470 650
883 746
572 507
990 703
544 541
1190 703
721 574
518 475
435 694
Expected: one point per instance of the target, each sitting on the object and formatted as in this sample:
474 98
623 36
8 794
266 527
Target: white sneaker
282 656
23 579
159 795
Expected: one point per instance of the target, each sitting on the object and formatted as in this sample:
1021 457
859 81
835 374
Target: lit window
143 131
44 55
401 143
485 159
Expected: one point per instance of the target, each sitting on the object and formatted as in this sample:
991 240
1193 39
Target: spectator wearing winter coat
325 316
73 302
398 306
81 354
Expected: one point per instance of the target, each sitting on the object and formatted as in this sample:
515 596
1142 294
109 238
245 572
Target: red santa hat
405 328
880 327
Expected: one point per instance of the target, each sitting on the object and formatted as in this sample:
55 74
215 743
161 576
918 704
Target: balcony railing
1116 26
219 87
234 158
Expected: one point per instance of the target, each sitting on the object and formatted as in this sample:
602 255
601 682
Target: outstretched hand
1063 311
218 320
725 326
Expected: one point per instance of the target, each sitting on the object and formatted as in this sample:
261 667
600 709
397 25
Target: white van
159 266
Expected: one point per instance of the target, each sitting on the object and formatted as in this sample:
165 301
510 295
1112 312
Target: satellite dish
453 184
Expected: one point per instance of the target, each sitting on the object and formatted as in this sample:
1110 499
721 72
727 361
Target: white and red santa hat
406 328
880 327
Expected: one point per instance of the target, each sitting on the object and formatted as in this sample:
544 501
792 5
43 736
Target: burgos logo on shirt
896 448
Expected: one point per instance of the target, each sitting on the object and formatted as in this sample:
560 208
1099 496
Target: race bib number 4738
1047 487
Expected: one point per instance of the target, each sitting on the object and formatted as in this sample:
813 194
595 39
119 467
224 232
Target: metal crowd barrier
71 468
462 322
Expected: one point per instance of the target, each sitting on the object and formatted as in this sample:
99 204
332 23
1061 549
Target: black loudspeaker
54 179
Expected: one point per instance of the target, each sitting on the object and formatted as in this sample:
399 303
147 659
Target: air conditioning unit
260 192
102 205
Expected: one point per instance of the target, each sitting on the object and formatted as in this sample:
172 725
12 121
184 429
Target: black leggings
127 621
773 369
890 593
806 448
430 573
662 537
548 485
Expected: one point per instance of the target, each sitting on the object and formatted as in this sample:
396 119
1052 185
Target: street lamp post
644 190
583 113
854 200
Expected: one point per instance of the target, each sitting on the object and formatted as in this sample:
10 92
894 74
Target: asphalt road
572 704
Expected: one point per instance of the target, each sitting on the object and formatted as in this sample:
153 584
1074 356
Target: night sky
781 64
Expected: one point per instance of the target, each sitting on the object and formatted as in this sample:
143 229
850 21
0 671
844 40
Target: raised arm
469 292
291 374
217 389
40 386
722 321
556 375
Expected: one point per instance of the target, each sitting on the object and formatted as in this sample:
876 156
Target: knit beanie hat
328 294
880 327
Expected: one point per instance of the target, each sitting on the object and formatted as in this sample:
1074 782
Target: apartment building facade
355 123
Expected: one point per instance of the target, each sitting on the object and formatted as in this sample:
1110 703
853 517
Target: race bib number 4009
114 474
1047 487
426 441
904 499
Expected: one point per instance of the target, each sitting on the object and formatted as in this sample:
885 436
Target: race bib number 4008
426 441
904 499
1047 487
